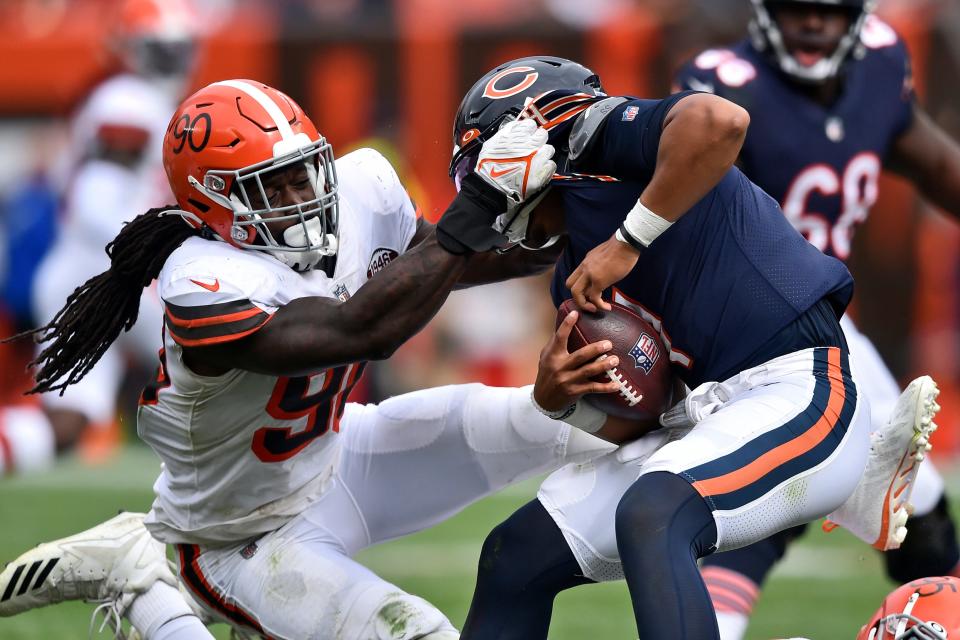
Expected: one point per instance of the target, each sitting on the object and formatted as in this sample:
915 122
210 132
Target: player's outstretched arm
493 266
314 333
700 141
930 158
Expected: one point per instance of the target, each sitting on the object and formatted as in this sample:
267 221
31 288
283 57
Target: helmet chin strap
305 234
514 224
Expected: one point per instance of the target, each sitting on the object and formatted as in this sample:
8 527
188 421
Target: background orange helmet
925 609
221 142
156 38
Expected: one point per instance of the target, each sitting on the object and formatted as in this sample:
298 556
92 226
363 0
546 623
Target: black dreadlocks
97 310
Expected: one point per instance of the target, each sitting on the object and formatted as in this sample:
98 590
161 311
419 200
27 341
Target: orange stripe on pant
772 459
193 577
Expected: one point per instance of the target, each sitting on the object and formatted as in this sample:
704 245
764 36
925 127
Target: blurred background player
830 92
110 171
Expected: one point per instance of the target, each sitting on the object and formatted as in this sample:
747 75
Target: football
643 374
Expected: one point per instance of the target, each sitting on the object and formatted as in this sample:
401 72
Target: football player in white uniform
110 170
271 481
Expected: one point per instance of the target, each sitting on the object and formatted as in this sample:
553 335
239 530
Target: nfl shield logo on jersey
341 292
645 353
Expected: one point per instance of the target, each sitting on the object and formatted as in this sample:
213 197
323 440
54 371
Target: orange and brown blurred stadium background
390 74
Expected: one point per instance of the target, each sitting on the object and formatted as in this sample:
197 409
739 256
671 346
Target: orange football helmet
925 609
156 38
219 145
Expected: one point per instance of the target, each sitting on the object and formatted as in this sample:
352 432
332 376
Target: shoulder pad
587 125
204 272
370 180
877 34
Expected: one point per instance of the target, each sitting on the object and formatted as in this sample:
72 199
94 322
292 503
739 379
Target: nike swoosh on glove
517 160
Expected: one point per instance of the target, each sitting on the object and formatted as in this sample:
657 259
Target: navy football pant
525 562
663 527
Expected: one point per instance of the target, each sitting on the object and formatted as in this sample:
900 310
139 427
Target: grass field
827 587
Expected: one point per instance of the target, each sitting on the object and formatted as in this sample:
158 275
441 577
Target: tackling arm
486 268
314 333
927 156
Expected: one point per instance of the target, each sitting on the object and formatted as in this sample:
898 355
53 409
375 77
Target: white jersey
244 452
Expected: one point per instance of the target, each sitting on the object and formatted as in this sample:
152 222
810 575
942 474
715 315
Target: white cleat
108 564
877 511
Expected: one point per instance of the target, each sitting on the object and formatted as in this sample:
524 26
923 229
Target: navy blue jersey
719 284
821 163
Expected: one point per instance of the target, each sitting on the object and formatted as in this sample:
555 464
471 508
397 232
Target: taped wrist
641 227
467 224
580 414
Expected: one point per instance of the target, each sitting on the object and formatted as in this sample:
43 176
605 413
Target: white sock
26 440
182 628
733 595
732 625
152 612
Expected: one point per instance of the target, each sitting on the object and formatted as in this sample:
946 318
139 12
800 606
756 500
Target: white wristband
582 415
644 225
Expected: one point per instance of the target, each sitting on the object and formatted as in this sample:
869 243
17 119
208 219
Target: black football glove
467 224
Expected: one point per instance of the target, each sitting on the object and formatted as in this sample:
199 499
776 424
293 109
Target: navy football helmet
503 92
767 37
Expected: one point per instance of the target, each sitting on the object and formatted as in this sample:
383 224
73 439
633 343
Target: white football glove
517 160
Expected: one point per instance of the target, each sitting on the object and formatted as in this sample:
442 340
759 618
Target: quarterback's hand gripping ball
643 376
517 160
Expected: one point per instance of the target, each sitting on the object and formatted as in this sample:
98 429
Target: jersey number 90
292 400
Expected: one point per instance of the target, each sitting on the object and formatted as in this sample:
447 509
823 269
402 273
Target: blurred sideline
390 75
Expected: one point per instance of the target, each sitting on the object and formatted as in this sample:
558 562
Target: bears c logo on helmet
491 91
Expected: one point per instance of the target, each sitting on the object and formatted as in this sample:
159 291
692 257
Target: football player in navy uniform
829 90
774 432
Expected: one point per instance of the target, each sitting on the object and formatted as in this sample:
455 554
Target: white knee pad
383 612
407 422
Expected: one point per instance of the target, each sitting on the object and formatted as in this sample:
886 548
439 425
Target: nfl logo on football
645 353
